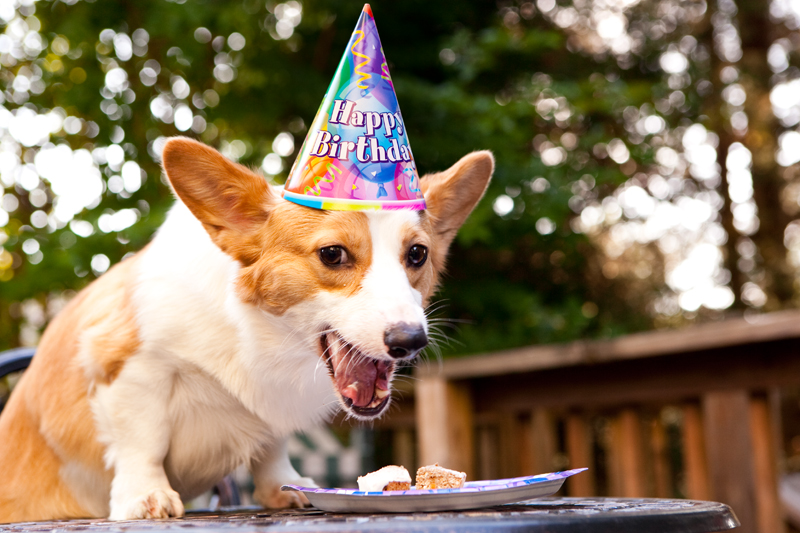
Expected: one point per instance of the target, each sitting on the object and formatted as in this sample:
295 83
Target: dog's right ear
229 200
453 194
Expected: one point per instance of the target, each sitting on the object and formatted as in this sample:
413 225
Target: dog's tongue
357 377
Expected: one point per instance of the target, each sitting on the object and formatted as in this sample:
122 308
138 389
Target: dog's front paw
158 503
272 497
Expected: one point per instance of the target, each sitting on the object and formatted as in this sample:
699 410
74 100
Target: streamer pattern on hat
356 154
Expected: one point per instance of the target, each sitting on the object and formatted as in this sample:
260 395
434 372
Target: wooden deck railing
691 412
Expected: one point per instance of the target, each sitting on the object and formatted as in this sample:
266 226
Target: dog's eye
333 255
417 255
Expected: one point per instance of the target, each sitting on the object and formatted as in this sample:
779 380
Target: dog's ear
229 200
453 194
219 192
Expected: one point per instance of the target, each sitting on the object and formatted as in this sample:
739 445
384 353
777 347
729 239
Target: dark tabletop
550 515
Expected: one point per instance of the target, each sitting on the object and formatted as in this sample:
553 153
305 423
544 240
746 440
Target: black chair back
14 361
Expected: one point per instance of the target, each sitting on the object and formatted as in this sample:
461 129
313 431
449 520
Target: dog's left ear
229 199
453 194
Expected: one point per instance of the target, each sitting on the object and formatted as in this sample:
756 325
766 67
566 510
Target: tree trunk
757 34
719 125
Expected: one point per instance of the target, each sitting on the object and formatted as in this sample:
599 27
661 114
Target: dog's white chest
212 433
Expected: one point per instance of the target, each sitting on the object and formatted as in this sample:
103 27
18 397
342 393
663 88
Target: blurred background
647 160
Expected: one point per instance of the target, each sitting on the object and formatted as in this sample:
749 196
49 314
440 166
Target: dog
245 319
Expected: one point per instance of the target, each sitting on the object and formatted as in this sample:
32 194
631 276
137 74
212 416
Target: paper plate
473 495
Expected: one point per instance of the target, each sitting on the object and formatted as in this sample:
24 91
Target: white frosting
376 481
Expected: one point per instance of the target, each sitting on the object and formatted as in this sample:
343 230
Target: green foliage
465 81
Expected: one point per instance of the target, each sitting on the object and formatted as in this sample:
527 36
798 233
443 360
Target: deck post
660 452
694 454
510 438
545 440
579 452
768 506
729 453
525 452
444 424
627 473
632 454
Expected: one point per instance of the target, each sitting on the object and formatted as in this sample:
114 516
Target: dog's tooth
381 394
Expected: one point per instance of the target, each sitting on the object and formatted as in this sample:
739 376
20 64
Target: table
550 515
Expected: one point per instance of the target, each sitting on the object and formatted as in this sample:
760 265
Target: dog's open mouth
362 381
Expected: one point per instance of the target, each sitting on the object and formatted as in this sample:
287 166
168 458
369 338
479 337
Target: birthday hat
356 154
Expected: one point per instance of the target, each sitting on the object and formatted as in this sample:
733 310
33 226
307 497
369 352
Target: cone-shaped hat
356 154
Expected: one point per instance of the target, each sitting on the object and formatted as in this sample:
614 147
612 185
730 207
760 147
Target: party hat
356 154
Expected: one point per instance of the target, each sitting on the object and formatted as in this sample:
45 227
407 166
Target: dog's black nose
404 339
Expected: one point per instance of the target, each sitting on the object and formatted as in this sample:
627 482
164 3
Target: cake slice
387 478
436 477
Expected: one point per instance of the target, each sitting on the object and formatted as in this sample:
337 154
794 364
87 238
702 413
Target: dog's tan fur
48 421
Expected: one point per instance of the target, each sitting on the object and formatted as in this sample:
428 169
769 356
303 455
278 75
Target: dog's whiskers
435 306
323 358
451 322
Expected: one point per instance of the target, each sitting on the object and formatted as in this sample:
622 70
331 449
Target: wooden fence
692 412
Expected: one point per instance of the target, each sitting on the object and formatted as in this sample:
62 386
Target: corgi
245 319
